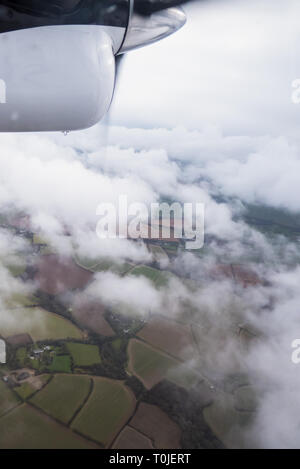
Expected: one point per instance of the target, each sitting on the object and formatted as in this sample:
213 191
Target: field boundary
84 402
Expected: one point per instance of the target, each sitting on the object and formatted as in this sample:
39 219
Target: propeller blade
119 64
105 123
148 7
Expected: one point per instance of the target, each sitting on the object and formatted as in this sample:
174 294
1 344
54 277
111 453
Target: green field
148 364
61 364
83 354
8 400
21 355
117 268
14 262
63 396
103 265
117 344
17 300
183 376
157 277
107 410
25 391
27 428
38 323
17 269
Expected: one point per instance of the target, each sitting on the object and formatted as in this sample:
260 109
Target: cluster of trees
51 303
185 408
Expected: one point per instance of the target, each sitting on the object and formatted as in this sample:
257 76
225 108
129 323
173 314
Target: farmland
82 372
61 364
107 410
18 300
83 354
27 428
157 426
157 277
16 268
103 265
90 316
129 438
86 351
8 399
169 336
148 364
63 396
112 266
38 323
56 275
25 390
183 376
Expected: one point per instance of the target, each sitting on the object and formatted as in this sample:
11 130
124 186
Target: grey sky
231 66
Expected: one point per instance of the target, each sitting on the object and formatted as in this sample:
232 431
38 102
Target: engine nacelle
57 64
54 79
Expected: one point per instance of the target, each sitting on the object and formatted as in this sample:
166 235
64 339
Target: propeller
105 123
148 7
165 24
